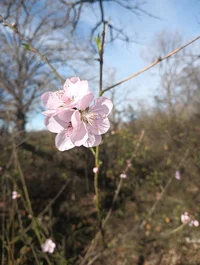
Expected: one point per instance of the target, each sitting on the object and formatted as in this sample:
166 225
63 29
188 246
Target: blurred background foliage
71 220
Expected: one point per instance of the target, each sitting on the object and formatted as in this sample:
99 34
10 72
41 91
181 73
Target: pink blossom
185 218
68 97
48 246
61 123
72 118
1 169
90 123
122 176
15 195
196 223
95 169
178 175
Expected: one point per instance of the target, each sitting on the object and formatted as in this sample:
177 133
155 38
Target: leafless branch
151 65
95 240
32 49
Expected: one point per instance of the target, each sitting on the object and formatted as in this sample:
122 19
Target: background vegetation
150 143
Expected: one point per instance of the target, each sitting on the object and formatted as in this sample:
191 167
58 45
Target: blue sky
175 15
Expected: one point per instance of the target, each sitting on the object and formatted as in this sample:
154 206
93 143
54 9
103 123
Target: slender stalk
12 245
25 230
53 200
27 198
104 222
24 234
34 222
137 228
97 164
31 47
121 180
3 219
160 59
101 61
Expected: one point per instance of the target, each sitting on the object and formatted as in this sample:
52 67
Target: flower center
89 117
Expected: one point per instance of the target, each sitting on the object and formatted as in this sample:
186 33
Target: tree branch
160 59
31 47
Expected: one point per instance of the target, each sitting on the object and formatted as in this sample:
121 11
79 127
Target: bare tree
179 79
23 75
169 72
101 10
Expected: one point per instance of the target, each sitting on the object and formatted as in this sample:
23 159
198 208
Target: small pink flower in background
196 223
123 176
177 175
95 169
185 218
15 195
48 246
1 169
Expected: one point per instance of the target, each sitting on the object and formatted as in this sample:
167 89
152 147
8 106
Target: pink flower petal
84 87
95 169
122 176
71 87
64 116
66 99
93 140
57 122
49 112
51 250
196 223
52 100
74 91
101 126
79 135
52 125
86 101
63 141
76 119
102 106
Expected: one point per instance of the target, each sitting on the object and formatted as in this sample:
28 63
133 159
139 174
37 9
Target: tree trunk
20 121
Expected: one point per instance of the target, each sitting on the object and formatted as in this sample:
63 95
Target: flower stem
97 163
97 196
96 184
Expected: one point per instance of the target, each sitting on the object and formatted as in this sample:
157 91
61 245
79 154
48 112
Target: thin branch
43 211
94 241
138 227
101 61
121 180
25 191
160 59
53 200
31 47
